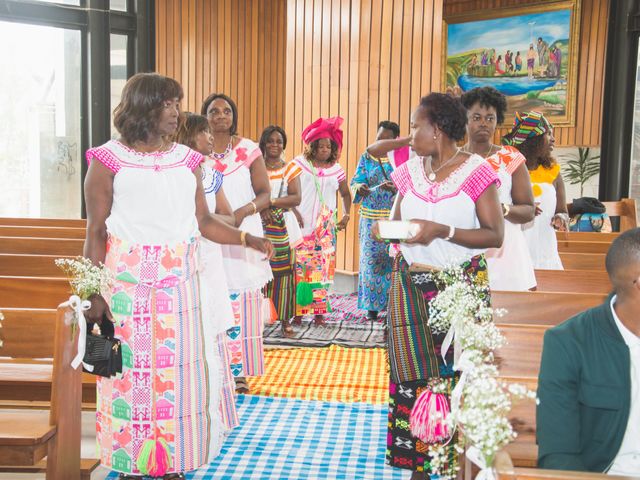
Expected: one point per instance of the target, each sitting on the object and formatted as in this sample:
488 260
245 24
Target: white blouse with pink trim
247 270
328 181
450 202
153 193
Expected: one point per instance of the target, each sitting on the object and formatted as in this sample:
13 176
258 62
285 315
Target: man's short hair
388 125
624 250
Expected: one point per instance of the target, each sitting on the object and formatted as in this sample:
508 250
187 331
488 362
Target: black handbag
103 351
587 205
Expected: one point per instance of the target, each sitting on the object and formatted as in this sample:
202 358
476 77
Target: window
120 5
64 65
118 72
40 137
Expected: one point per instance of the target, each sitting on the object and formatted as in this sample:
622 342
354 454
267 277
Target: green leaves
581 167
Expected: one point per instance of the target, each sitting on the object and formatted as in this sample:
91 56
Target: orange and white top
505 162
280 178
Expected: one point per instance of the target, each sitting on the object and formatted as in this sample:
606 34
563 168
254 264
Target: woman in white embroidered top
510 266
247 188
452 197
195 133
146 210
322 177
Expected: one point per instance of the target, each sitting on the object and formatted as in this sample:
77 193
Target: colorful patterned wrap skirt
375 263
415 358
281 290
170 385
316 264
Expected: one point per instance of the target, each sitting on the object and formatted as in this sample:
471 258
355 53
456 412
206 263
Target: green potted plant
581 167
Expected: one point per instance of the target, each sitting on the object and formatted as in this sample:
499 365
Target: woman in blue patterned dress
373 189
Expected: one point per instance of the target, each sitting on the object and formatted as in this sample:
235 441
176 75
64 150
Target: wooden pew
582 261
542 308
529 316
25 366
44 222
578 281
32 292
41 246
587 236
29 265
42 232
583 247
626 210
27 437
505 470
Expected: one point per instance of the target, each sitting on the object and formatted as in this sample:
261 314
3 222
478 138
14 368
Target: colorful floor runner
346 325
328 374
281 438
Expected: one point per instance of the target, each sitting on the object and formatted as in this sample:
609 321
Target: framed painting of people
528 53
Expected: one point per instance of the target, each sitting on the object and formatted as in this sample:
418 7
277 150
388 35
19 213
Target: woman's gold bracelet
255 207
243 238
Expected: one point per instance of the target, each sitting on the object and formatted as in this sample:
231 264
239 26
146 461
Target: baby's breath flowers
481 401
86 279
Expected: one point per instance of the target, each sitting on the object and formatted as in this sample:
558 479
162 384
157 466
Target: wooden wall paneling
396 61
315 20
427 54
205 14
415 83
405 65
325 62
183 67
256 71
334 69
361 130
195 56
436 47
239 66
384 78
290 64
582 95
373 87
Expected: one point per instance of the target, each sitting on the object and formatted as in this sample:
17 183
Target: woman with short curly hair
510 266
451 198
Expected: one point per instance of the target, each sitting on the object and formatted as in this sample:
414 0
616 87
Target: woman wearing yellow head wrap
532 134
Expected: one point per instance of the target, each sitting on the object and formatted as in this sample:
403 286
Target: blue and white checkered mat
281 438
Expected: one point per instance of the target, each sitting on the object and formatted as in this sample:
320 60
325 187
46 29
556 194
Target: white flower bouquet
86 279
480 402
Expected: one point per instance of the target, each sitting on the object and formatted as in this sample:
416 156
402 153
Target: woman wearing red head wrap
322 176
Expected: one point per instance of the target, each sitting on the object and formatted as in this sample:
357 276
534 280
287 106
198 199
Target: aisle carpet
281 438
329 374
346 325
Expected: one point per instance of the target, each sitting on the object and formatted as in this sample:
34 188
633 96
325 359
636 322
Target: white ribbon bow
79 307
446 343
486 471
464 365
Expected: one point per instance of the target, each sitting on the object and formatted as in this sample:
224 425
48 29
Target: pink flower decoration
241 155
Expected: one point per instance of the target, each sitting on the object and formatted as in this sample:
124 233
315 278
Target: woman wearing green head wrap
532 134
